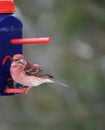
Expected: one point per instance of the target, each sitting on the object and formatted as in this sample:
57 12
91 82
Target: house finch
28 74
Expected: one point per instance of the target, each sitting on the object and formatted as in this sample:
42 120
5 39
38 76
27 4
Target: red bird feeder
11 43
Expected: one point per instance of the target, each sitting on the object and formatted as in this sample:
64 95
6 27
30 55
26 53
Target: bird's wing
31 70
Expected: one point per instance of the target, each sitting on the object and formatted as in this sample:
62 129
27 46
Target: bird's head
18 60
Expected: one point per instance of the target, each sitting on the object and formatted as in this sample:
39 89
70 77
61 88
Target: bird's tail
52 80
60 83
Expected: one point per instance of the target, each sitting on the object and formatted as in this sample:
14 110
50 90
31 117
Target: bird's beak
21 62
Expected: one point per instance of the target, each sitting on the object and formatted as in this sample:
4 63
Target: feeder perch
11 43
31 40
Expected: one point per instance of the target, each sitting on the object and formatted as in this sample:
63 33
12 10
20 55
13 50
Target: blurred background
76 56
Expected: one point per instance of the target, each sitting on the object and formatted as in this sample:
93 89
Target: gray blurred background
76 56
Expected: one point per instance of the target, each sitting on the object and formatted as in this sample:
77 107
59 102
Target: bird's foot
26 91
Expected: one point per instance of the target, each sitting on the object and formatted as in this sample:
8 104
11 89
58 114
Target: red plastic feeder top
7 6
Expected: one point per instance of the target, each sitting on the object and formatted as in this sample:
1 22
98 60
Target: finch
28 74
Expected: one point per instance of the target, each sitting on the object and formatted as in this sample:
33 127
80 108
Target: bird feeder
11 43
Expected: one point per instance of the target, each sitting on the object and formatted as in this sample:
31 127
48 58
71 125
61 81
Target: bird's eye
15 60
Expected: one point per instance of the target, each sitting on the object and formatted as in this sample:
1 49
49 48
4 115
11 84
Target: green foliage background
76 56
